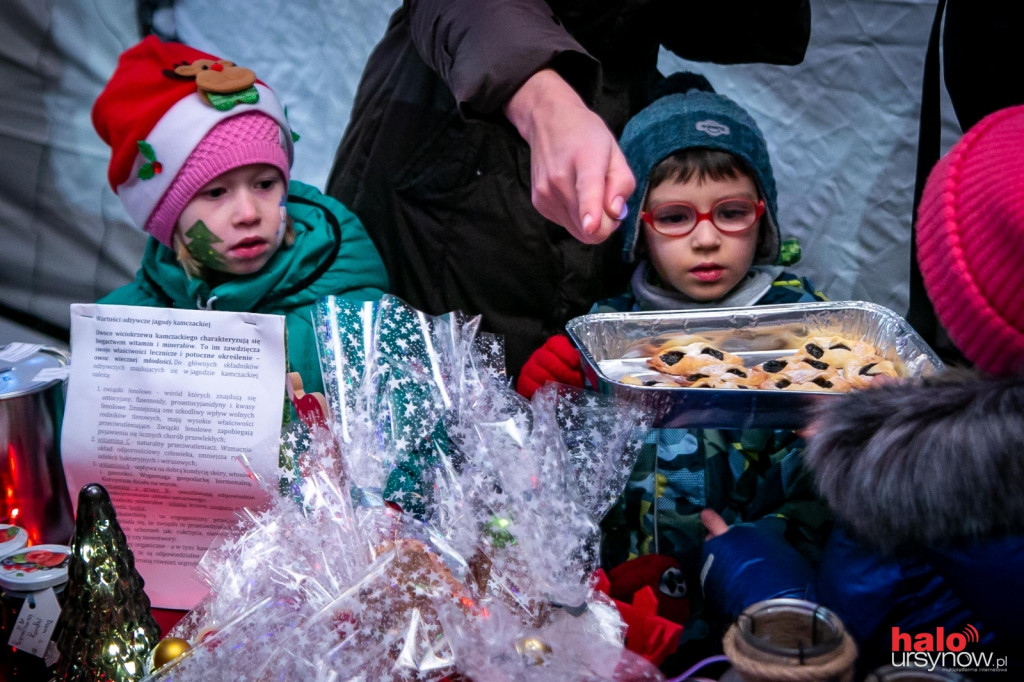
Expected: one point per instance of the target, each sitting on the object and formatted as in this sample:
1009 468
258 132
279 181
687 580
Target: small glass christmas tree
106 628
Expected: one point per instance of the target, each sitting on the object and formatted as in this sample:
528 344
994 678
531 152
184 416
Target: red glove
660 573
557 360
647 634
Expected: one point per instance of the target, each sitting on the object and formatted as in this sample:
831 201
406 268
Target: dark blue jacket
926 481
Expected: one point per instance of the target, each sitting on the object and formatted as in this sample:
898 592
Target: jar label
36 621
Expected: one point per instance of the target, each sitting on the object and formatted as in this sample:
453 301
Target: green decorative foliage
225 101
295 135
146 150
789 252
153 166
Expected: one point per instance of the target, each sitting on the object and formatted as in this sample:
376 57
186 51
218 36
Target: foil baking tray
616 344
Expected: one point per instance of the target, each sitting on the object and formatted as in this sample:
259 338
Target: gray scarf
748 292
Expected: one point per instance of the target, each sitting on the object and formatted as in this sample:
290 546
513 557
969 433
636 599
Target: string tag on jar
36 620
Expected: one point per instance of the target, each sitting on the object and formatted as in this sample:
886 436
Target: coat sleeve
132 293
872 592
736 31
486 49
750 563
985 574
138 292
143 291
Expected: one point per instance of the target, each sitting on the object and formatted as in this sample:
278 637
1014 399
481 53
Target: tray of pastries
757 367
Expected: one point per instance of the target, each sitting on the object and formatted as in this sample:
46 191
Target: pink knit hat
970 241
239 141
176 118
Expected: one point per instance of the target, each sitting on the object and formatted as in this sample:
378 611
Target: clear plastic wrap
438 526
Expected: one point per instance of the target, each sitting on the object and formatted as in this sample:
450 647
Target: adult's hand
579 177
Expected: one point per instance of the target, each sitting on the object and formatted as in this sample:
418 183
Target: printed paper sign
161 403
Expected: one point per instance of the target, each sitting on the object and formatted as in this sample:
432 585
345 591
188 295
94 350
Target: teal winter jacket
332 254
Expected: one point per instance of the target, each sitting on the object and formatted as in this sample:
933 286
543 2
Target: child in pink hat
970 241
200 157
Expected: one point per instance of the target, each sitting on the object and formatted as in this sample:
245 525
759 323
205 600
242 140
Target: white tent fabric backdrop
842 129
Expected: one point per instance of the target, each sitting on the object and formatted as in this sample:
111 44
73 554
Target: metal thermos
33 492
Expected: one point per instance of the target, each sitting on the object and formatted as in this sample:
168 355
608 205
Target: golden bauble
168 649
534 650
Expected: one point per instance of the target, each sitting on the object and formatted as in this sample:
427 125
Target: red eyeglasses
677 219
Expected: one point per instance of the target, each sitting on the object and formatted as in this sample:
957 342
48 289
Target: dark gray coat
442 181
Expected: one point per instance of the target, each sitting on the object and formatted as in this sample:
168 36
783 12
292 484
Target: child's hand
714 522
886 380
749 563
557 360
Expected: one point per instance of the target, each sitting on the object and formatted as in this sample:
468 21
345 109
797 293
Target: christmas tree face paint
201 246
234 224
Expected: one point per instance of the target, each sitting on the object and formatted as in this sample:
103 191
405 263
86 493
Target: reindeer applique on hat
175 118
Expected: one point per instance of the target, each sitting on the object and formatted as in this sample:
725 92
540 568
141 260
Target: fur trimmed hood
929 464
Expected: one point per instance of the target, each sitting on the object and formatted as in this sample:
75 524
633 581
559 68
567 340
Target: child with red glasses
702 228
